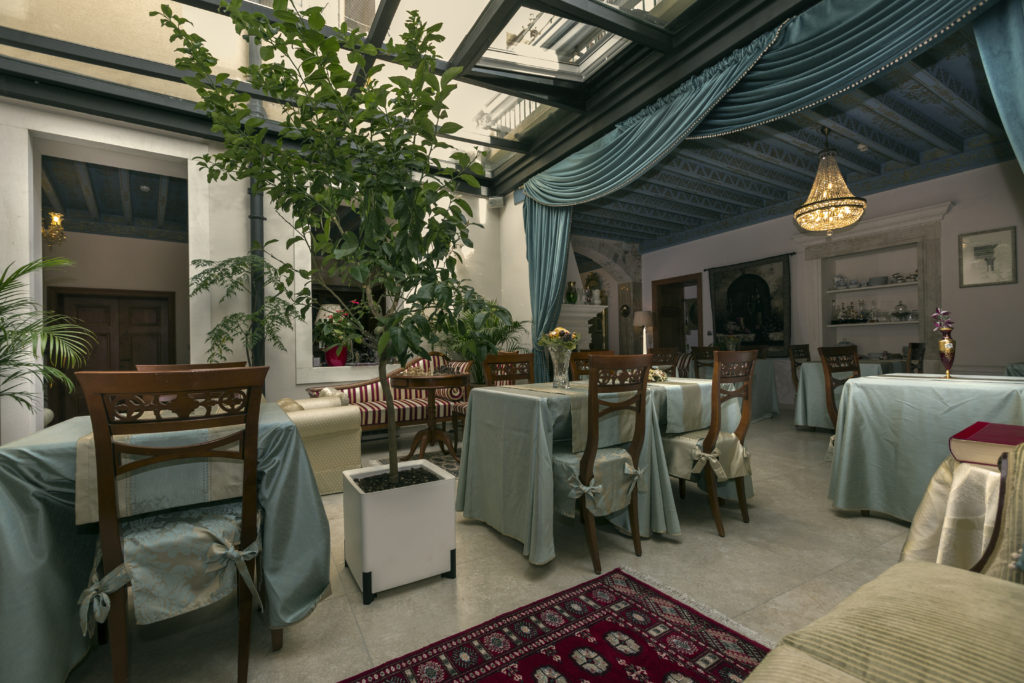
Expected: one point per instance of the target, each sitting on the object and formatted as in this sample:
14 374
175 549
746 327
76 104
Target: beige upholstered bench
331 434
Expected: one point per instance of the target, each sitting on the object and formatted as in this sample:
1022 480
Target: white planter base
401 535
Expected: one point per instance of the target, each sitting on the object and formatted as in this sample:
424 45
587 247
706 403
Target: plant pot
336 355
401 535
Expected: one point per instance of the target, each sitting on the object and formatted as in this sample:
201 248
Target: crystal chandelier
830 205
53 234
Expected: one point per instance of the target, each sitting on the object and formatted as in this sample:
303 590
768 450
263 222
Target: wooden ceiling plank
88 193
842 124
654 226
636 195
698 191
948 89
790 134
50 192
738 175
912 121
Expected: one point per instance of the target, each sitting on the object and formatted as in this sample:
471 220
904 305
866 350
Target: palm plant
28 332
482 327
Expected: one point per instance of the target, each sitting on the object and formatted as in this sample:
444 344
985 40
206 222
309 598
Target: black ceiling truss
609 18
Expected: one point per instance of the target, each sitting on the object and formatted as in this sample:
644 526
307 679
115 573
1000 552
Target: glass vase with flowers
947 345
560 343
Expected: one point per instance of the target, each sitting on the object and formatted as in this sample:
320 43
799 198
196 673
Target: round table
430 384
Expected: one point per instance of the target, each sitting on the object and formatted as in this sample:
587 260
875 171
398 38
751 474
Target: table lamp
643 319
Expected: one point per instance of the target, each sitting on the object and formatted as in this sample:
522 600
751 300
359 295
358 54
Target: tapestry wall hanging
750 305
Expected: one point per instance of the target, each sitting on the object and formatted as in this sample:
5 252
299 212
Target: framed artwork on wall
750 305
988 257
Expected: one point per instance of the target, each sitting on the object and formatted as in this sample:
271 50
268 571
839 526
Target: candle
645 338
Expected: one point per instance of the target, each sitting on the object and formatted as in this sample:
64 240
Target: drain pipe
256 220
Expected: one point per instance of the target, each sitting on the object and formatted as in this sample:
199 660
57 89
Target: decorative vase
337 355
570 292
560 366
947 349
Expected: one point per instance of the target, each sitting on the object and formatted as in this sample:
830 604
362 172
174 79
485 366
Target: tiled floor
795 560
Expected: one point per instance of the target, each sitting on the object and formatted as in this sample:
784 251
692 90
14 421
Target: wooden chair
667 359
616 383
685 364
837 360
915 357
703 357
188 543
717 453
579 362
502 369
798 355
190 366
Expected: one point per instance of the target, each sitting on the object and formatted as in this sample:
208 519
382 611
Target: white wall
989 326
515 271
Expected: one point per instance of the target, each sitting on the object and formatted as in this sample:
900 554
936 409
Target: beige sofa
922 621
331 433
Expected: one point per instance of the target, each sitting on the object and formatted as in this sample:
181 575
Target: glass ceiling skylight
658 12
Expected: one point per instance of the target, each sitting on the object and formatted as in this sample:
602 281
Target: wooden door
130 328
678 318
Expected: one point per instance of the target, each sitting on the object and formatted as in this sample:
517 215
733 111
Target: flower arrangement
656 375
942 320
337 326
559 337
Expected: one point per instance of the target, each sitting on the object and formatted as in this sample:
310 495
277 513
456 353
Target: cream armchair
331 434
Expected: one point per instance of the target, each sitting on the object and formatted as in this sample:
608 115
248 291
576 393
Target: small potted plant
336 332
947 345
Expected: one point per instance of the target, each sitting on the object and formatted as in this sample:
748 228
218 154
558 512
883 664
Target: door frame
696 279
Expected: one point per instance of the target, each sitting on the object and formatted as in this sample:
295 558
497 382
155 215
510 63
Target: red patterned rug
613 628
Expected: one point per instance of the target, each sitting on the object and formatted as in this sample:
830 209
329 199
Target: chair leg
244 626
117 631
455 433
741 494
682 488
634 523
276 639
591 532
711 481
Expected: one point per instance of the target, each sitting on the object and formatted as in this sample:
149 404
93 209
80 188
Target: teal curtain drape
547 249
1000 35
832 47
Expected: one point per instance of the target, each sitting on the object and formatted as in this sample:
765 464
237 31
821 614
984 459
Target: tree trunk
385 387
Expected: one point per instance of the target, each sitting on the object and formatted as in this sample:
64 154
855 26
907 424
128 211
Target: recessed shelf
847 290
889 322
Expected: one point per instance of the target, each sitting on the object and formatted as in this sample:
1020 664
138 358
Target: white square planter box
401 535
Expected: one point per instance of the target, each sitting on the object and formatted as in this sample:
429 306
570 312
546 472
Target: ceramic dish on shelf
878 280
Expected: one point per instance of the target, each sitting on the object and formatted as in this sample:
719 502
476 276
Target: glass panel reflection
658 12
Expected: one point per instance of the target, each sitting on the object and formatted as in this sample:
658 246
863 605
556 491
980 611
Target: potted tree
349 142
28 332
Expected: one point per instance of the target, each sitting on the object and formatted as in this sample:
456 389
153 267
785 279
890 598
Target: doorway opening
678 314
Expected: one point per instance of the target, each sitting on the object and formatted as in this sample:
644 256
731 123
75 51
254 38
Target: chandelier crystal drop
830 205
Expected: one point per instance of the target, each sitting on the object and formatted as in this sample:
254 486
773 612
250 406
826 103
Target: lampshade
643 319
830 205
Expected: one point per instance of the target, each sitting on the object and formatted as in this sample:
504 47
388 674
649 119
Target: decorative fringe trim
711 612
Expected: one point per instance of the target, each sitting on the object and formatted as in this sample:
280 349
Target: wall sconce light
53 234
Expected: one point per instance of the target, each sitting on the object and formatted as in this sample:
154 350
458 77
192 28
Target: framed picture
750 304
988 257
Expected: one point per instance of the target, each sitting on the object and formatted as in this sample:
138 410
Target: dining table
810 410
506 476
764 399
893 434
45 558
1015 369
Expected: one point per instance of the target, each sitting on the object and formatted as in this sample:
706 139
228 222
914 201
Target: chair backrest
190 366
579 362
666 359
703 357
508 368
837 360
915 357
616 383
798 355
127 404
685 363
732 378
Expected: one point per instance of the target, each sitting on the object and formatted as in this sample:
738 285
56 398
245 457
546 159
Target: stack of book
983 442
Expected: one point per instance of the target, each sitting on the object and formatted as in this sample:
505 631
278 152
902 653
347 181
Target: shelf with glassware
879 311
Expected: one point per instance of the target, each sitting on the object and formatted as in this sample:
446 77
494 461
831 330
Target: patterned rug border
672 594
701 607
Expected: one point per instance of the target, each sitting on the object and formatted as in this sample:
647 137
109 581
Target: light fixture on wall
643 319
830 205
53 234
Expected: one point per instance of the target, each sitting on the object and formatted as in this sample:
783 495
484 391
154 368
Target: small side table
430 384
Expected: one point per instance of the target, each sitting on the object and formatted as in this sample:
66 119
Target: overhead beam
126 195
617 227
382 19
637 198
654 226
488 26
527 87
888 107
703 194
728 179
609 18
790 134
587 230
762 150
949 90
88 193
751 176
50 192
841 123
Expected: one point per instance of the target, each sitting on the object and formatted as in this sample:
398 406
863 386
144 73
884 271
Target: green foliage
27 331
233 276
482 327
371 148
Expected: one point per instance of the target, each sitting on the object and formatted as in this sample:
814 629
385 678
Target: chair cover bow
577 489
635 475
223 552
94 602
700 459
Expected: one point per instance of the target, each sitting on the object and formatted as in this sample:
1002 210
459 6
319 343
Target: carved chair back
798 355
703 357
666 359
579 362
837 360
915 357
732 378
508 368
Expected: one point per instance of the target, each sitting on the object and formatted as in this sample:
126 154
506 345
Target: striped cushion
456 393
374 413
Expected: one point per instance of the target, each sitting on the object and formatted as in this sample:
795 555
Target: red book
983 442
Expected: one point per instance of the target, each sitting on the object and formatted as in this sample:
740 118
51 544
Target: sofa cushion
289 405
406 410
921 621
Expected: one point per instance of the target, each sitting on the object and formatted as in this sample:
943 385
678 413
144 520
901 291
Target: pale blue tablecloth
810 409
764 399
894 430
1015 369
506 480
45 560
